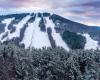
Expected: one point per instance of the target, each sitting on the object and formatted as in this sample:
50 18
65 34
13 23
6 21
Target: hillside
48 64
45 29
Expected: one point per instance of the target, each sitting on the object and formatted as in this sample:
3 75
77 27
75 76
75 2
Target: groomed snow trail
40 39
19 26
34 37
56 36
7 22
90 43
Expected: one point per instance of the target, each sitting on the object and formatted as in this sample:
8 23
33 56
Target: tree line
16 63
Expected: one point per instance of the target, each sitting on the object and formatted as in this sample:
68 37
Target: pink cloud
88 9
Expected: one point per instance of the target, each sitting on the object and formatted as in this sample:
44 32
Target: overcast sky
84 11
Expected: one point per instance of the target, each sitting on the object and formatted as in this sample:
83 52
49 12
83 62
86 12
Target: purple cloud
95 4
78 10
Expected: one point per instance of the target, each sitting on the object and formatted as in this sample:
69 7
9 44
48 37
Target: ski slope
56 36
19 26
34 37
7 22
90 43
40 39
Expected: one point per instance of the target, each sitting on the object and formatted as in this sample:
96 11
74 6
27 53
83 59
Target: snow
28 35
34 37
18 27
90 43
56 36
7 22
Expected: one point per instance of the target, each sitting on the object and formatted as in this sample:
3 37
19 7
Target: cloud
95 4
85 11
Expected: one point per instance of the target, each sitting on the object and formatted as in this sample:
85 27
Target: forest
17 63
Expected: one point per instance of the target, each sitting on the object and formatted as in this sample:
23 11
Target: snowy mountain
42 29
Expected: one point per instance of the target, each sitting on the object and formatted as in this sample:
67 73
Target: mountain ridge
48 30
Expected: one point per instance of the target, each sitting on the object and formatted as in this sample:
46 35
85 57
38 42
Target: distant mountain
45 29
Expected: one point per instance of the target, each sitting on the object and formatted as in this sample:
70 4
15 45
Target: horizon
85 12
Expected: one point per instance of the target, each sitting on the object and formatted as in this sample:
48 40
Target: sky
83 11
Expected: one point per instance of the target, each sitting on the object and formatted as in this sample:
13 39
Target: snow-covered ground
34 37
28 35
90 43
39 39
7 22
56 36
19 26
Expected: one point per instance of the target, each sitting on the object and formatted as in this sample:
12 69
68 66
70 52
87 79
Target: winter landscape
49 40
